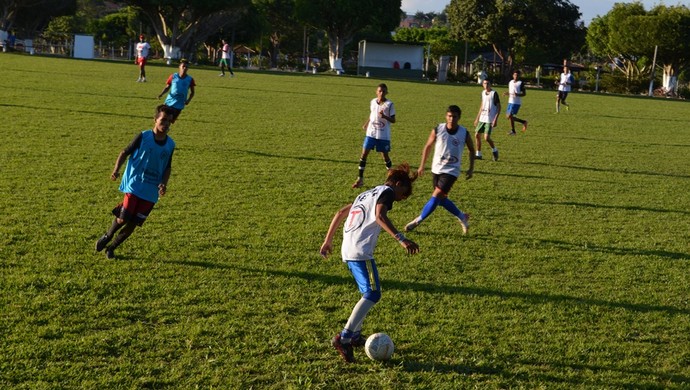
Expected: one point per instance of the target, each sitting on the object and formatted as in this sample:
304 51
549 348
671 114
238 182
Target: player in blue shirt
179 84
145 179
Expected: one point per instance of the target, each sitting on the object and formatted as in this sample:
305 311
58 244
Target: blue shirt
146 166
179 86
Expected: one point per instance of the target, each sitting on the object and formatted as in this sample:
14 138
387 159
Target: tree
341 19
669 28
515 28
615 36
279 17
628 33
182 24
117 28
32 15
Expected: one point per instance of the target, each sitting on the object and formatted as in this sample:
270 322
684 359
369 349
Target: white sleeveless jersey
563 83
361 231
380 128
448 150
514 88
489 109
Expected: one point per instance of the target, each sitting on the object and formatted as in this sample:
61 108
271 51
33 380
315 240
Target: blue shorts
382 146
366 275
512 109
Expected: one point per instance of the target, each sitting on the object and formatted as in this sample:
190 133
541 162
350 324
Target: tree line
518 31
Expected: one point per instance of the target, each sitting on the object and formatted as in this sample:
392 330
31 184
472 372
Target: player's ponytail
403 175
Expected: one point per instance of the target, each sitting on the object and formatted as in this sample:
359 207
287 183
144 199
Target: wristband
400 237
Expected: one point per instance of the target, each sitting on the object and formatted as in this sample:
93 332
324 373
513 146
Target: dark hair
454 109
402 174
163 108
383 86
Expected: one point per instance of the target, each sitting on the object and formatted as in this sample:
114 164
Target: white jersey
489 108
361 231
143 49
380 128
514 92
226 52
562 84
448 150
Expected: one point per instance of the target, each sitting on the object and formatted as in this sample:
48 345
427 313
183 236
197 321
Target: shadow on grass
154 103
617 251
303 158
626 208
595 206
532 298
652 376
593 169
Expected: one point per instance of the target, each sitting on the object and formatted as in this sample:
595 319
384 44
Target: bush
617 83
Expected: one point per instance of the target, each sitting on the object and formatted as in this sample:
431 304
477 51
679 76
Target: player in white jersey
516 91
143 49
378 131
449 140
364 219
487 118
565 83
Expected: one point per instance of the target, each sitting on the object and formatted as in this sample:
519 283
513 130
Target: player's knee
373 296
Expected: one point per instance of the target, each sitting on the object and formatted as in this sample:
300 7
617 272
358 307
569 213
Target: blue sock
346 336
429 207
451 207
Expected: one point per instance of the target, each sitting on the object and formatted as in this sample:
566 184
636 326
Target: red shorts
141 61
133 209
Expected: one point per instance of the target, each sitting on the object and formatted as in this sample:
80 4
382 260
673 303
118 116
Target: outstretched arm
338 218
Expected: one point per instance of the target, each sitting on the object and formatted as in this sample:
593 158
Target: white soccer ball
379 347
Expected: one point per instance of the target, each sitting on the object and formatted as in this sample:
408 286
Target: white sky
588 8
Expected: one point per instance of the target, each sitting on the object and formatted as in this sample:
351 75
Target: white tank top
448 150
361 231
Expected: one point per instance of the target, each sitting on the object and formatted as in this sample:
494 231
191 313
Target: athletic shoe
512 132
143 79
345 350
139 80
221 75
495 153
358 183
567 108
102 242
359 341
524 126
412 225
465 223
479 157
110 253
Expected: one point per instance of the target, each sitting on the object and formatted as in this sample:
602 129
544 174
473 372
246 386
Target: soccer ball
379 347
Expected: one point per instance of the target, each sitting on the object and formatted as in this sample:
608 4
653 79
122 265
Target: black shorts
562 95
175 113
444 182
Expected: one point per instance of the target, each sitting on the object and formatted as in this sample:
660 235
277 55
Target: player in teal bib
145 179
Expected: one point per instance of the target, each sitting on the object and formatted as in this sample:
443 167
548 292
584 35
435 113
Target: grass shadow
431 288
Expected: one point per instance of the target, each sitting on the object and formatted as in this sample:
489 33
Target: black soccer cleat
345 350
102 242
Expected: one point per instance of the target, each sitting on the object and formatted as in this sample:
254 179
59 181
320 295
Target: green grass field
574 273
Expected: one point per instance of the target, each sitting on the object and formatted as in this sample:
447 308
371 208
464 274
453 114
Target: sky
588 8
